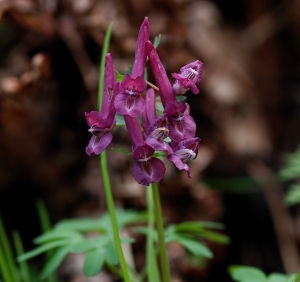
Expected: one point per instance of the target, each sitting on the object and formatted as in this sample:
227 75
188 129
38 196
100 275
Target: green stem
23 265
103 161
112 212
8 254
161 235
102 64
152 269
45 226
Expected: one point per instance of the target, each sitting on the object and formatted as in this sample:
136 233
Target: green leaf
55 260
120 120
81 224
294 277
120 150
215 237
277 277
24 271
291 169
212 225
192 228
119 76
292 196
144 230
159 154
126 217
93 262
159 107
42 249
157 41
128 70
55 234
195 247
8 267
180 98
196 229
111 255
247 274
88 244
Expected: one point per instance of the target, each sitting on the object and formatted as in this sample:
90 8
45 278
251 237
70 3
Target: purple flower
129 100
189 76
182 125
147 169
156 129
184 151
102 122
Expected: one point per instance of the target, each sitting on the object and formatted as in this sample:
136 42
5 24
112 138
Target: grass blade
7 254
23 265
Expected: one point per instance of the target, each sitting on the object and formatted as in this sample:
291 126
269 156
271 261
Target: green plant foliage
292 196
252 274
55 260
291 171
189 235
93 262
157 41
8 268
247 274
119 76
120 150
71 236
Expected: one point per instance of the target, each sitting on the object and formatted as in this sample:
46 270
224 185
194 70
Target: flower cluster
127 99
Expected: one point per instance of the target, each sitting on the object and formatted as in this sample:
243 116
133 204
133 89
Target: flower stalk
164 262
104 170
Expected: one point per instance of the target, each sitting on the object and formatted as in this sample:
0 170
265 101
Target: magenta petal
179 164
161 77
98 144
149 171
94 118
186 128
140 51
129 105
149 115
133 85
159 146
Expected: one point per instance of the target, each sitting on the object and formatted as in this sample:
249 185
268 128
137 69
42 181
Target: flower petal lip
129 105
99 143
102 122
184 151
150 171
179 164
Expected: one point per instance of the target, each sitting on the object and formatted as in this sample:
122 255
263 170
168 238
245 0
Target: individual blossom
102 122
188 78
129 100
147 169
156 129
183 152
181 124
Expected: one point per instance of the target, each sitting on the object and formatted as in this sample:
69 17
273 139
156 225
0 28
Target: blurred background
247 116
